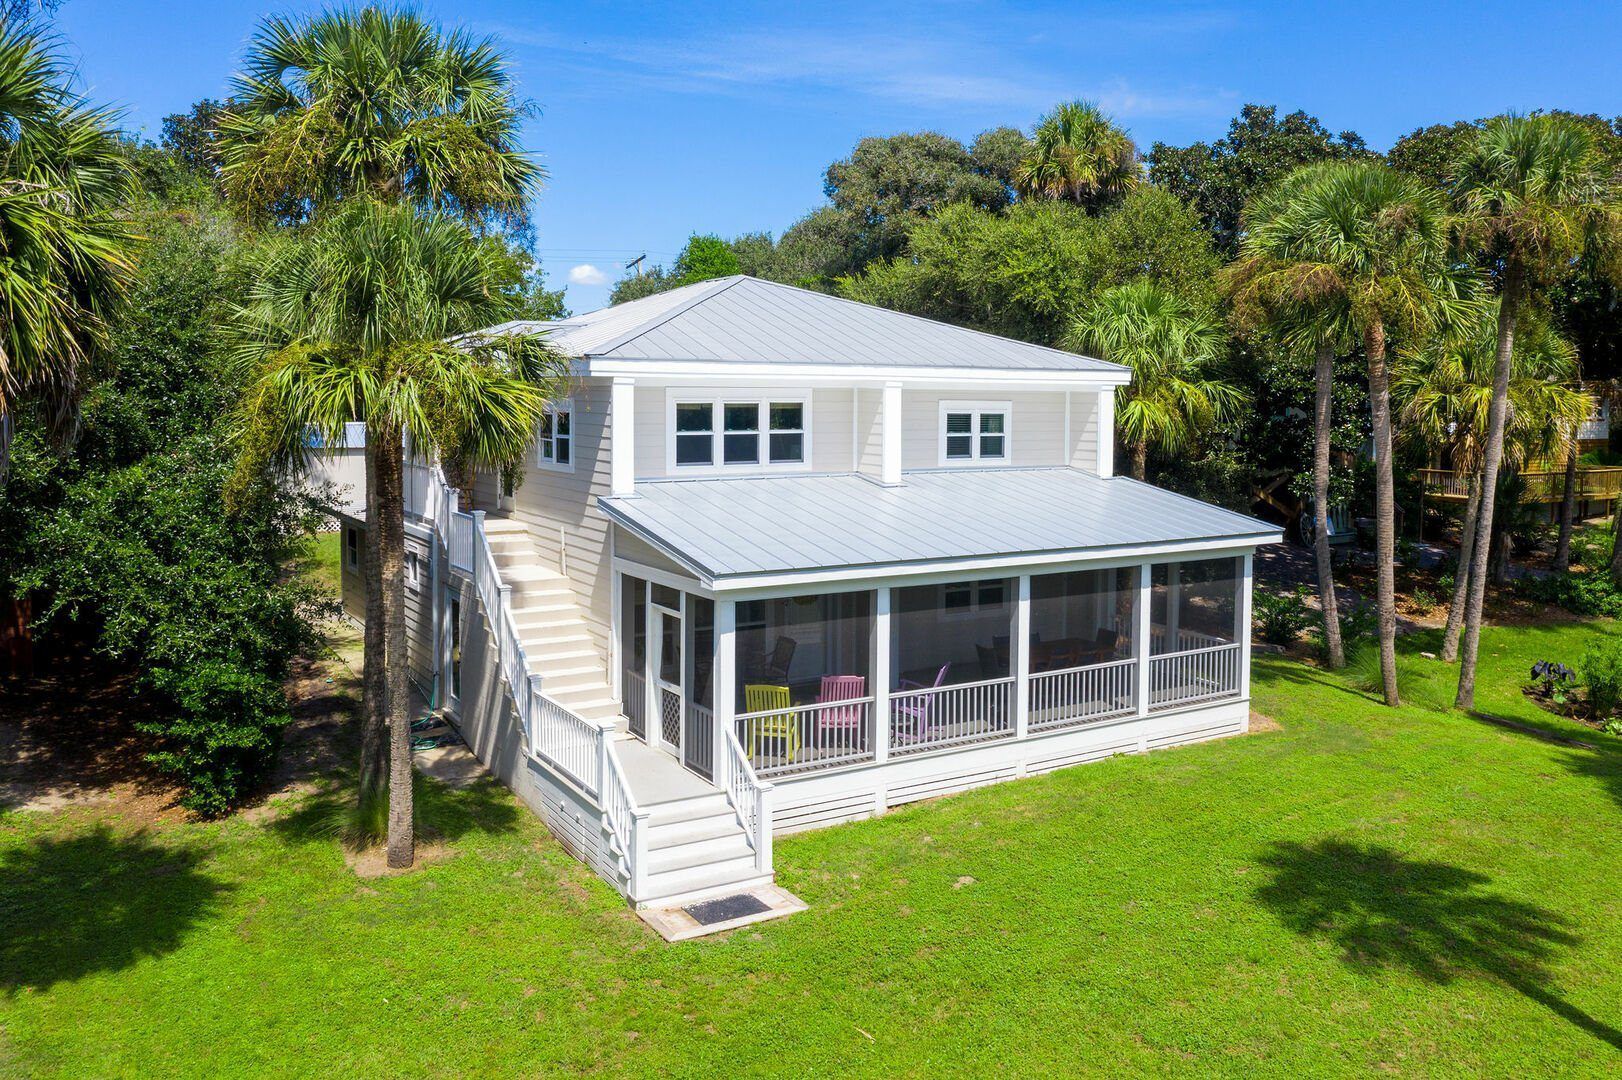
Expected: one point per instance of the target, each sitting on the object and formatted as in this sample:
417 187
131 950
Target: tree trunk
1385 509
1461 576
1568 511
1616 546
1497 418
1140 461
391 552
374 707
1324 370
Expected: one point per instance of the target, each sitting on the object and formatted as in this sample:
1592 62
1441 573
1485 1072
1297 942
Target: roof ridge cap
722 285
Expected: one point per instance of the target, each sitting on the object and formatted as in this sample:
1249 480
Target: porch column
1241 631
1140 635
1020 656
622 435
881 675
890 429
1174 605
724 678
1105 415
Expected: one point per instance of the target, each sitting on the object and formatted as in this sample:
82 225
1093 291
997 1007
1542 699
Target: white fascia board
854 374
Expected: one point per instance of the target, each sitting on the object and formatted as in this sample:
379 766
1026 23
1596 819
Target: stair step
696 830
719 852
696 808
545 654
681 887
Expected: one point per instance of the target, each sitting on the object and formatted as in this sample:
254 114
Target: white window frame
414 569
553 410
763 400
976 409
352 547
977 608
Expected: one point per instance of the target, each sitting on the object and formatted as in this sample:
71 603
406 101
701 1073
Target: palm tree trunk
1140 461
1616 546
1568 512
1497 416
1461 576
1385 509
374 711
391 552
1324 370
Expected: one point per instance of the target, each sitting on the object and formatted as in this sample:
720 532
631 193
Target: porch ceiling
788 525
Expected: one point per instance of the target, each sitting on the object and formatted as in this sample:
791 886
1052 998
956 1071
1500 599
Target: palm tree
1269 290
1167 344
375 102
1078 154
352 323
1374 241
1446 390
65 253
1532 189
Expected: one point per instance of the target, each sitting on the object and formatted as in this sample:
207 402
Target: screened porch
826 680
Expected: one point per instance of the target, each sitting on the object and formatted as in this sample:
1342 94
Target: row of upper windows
727 432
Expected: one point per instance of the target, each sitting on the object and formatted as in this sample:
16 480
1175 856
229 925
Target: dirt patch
373 862
1260 723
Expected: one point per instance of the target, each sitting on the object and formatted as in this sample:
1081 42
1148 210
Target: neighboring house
782 560
339 471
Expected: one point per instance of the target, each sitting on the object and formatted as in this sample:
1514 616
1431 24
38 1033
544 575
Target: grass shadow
1603 764
97 902
442 812
1435 920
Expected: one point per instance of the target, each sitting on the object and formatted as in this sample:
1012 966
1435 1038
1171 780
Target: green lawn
1367 890
319 563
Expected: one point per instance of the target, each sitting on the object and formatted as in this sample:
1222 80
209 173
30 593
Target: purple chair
916 713
837 688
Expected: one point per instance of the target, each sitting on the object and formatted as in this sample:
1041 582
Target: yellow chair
762 698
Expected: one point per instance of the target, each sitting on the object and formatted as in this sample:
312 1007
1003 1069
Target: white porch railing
1083 695
1197 675
749 795
778 742
938 716
580 749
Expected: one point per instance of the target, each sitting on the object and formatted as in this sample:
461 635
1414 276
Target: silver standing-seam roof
739 528
745 320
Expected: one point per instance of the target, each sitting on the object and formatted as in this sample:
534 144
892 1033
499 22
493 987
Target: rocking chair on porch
784 726
838 688
918 713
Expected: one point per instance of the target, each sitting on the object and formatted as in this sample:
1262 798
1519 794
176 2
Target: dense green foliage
124 543
1366 889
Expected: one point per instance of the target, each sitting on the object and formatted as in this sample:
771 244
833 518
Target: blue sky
660 120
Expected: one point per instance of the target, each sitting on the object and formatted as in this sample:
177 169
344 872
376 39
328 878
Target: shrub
1588 592
1553 680
1280 617
1601 671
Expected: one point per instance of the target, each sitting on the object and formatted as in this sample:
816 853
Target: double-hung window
974 431
554 447
352 547
734 433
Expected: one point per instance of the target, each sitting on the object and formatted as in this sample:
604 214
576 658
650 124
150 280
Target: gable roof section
744 320
811 525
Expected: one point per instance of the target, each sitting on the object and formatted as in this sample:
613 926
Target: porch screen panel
634 653
698 740
1083 617
1194 604
963 627
804 689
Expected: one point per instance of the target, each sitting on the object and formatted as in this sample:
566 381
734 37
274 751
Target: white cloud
587 274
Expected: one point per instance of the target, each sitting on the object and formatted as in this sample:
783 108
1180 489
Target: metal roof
727 528
747 320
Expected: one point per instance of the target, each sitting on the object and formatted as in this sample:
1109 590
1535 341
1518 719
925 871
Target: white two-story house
782 560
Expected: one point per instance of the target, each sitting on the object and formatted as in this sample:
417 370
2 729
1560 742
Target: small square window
976 433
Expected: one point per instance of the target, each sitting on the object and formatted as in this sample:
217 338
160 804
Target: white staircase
696 846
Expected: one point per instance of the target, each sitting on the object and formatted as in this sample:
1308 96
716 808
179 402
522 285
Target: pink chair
836 688
917 712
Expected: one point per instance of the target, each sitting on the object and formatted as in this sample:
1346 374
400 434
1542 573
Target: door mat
727 907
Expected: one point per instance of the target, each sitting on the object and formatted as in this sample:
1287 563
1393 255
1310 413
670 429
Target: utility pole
636 264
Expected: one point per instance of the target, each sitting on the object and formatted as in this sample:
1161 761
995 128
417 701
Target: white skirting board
809 802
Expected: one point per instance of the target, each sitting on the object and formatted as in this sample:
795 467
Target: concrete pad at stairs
675 924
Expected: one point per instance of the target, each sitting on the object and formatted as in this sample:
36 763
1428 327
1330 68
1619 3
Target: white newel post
1140 635
881 675
1020 655
1241 632
622 435
533 723
890 429
725 679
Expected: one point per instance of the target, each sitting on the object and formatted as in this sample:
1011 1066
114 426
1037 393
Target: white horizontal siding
830 431
1036 425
